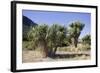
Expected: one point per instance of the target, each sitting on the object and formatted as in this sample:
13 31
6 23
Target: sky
61 18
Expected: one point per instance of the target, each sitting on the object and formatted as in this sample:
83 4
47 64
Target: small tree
75 31
56 36
87 39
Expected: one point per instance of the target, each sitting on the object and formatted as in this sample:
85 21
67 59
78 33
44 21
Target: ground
38 56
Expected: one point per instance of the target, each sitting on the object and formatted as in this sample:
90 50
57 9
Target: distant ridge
28 22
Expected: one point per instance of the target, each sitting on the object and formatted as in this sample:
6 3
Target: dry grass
38 56
32 56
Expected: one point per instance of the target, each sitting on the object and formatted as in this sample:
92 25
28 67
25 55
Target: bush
83 47
28 45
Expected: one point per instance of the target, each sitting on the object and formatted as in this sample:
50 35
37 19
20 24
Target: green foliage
75 31
38 34
26 29
27 45
86 39
55 37
48 36
67 40
76 28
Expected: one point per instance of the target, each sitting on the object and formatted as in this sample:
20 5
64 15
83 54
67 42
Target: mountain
28 22
27 25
